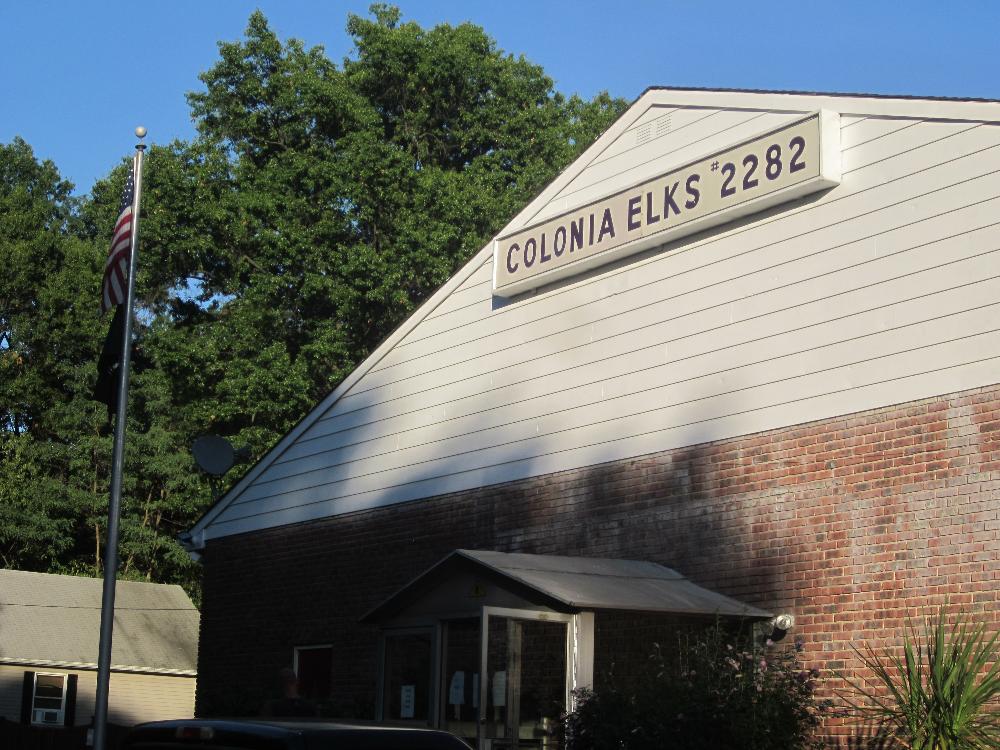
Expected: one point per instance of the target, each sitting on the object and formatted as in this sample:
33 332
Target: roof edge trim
90 667
846 94
873 105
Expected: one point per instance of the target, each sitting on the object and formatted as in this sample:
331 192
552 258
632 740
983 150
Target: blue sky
77 77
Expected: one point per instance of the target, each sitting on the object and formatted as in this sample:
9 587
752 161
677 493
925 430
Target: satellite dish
214 454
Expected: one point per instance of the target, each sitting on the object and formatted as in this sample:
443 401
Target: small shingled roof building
741 358
49 636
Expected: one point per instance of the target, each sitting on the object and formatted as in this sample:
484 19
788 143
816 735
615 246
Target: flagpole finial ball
140 132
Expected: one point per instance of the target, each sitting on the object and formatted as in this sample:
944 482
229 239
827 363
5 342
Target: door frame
434 630
579 654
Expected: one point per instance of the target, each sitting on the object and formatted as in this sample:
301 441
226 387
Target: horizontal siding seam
614 440
879 137
925 145
731 323
619 312
627 415
567 195
660 344
673 132
696 246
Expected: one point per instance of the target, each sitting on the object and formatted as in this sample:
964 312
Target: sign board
499 688
776 167
456 690
407 701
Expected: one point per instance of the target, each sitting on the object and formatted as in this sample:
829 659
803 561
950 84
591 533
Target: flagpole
117 460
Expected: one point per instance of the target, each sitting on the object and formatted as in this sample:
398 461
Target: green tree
46 341
54 443
318 206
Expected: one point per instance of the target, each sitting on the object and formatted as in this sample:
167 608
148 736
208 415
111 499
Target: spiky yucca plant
942 694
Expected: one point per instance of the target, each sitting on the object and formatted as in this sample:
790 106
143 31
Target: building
747 338
49 636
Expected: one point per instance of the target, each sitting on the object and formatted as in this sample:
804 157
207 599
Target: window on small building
314 669
48 702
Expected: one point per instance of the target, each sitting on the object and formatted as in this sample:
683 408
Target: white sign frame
627 209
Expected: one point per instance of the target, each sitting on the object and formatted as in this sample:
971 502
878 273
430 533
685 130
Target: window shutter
27 693
70 716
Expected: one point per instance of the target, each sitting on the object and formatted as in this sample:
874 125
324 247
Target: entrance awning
562 584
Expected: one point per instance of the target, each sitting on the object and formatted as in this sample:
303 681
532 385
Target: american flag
115 283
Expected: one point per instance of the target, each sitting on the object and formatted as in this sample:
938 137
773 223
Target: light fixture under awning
571 584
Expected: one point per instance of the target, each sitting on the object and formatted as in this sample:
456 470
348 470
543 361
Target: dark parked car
218 734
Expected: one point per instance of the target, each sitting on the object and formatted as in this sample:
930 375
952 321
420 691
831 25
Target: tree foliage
318 206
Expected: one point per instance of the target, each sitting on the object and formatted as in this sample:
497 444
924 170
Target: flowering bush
716 692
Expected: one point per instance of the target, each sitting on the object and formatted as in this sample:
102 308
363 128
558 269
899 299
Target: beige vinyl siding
132 697
703 132
10 691
135 698
906 176
644 129
471 293
472 309
883 290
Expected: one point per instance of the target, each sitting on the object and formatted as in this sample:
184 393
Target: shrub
941 694
716 691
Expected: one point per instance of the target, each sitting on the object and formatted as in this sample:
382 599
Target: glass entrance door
526 688
459 689
406 689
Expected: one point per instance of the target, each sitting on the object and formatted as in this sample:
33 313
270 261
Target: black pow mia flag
109 363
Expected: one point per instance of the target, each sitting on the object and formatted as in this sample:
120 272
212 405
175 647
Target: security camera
783 622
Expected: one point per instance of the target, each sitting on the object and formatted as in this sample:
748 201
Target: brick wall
852 524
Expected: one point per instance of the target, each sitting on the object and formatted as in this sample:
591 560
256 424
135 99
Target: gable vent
662 125
653 129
